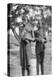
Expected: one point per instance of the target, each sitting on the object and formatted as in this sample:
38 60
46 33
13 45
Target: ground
15 68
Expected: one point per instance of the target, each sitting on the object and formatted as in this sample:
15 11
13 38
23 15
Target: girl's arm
15 34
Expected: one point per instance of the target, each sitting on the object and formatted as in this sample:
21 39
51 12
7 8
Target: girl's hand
13 28
27 41
43 40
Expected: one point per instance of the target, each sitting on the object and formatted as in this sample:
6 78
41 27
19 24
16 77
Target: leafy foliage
18 13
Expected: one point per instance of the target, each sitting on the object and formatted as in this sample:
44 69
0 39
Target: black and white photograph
29 40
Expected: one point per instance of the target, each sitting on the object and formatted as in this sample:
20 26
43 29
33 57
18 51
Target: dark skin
15 34
37 53
40 48
24 54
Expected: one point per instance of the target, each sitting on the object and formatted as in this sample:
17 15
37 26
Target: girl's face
35 28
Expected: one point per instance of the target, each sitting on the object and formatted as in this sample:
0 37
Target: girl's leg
27 66
42 63
42 71
37 67
27 63
23 62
